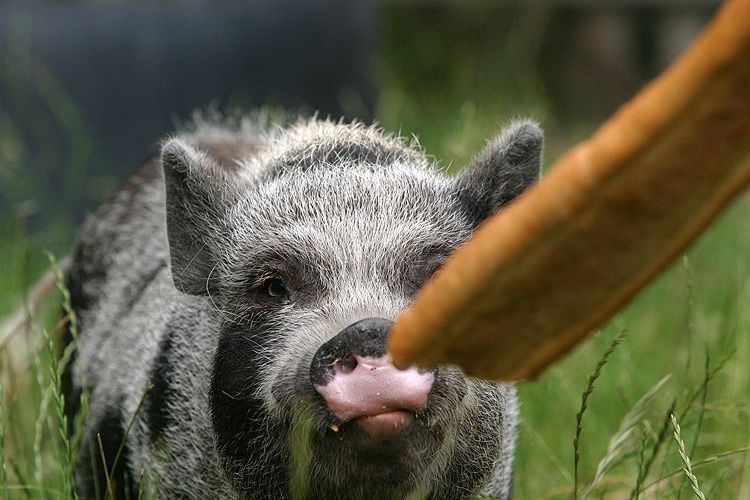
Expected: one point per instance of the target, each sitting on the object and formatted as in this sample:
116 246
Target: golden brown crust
609 216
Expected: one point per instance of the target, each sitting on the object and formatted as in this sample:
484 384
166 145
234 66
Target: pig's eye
273 287
423 270
429 267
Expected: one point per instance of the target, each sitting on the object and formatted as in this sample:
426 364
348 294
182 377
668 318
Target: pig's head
308 251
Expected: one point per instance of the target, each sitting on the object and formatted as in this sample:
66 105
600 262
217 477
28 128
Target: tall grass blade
584 404
58 364
699 464
110 492
39 431
645 466
127 432
690 403
703 395
58 406
690 312
141 484
702 390
687 468
617 445
74 434
542 444
3 468
635 494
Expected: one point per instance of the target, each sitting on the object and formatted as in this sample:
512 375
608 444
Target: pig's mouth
386 425
391 440
378 426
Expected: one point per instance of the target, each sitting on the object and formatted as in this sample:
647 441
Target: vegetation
655 405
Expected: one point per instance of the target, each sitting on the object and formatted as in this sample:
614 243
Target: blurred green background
451 74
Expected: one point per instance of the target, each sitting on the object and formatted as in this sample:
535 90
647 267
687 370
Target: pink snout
358 382
365 386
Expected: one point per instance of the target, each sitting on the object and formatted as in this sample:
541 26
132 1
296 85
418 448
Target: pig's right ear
198 193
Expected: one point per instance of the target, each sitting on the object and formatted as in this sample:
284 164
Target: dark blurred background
88 88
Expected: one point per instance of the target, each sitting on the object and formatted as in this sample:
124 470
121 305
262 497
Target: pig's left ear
502 170
198 194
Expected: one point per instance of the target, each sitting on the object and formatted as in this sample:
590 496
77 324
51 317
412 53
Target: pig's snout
356 378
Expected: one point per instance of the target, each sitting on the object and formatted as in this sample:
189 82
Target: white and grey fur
169 281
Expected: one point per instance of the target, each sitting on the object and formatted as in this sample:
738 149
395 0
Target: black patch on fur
244 432
418 271
155 407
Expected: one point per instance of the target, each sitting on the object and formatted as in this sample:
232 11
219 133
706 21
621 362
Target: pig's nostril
345 365
344 353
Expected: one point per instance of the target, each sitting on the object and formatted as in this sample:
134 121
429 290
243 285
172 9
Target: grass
663 416
584 405
687 468
692 325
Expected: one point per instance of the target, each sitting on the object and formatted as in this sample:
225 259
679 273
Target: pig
233 304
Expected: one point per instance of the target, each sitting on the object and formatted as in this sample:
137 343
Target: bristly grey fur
170 282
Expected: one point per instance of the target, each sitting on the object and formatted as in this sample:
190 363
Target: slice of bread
557 262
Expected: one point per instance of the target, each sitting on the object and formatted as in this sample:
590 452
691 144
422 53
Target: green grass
691 324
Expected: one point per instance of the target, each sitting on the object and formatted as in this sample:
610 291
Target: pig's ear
502 170
198 193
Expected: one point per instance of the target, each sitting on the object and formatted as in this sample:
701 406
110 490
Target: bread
566 255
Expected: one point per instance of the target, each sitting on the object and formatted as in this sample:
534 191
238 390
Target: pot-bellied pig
234 300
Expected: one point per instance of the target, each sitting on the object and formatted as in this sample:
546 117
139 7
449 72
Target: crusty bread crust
537 277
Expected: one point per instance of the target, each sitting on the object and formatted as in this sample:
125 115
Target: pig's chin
386 450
